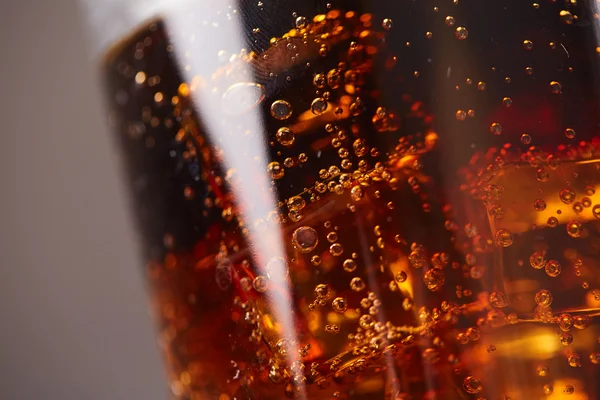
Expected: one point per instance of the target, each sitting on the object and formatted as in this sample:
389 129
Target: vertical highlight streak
246 154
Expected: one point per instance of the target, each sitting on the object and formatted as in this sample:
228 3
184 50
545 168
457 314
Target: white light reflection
235 124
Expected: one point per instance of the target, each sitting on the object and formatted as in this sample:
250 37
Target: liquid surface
369 201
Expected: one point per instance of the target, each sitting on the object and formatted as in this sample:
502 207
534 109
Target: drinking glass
366 199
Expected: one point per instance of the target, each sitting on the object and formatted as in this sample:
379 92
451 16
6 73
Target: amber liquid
401 238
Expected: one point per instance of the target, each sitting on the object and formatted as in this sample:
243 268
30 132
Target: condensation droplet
449 20
526 138
527 44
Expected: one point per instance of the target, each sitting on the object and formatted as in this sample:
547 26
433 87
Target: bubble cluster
449 270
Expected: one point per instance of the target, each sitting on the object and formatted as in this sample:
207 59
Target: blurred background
74 321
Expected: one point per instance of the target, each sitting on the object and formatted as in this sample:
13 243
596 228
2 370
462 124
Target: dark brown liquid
383 247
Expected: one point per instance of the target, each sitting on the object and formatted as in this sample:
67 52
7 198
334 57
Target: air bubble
574 229
498 300
281 110
285 136
275 170
387 24
434 279
543 298
277 269
301 22
242 97
349 265
552 268
496 128
339 304
570 133
555 87
336 249
542 370
569 389
322 291
539 205
318 106
472 385
305 239
260 284
357 284
504 238
566 17
567 195
461 33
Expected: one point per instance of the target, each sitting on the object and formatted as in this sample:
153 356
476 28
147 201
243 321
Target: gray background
74 321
